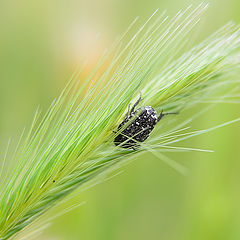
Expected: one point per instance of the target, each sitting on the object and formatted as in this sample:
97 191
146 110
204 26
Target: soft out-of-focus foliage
202 205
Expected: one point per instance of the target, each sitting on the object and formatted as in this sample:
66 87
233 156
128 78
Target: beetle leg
164 114
128 112
136 103
160 116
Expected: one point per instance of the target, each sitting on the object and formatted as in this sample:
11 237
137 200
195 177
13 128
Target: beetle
140 123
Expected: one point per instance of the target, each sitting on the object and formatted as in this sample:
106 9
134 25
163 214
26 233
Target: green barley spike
72 144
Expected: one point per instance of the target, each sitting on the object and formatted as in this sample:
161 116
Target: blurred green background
40 44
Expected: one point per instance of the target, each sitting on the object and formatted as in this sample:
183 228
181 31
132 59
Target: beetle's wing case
145 118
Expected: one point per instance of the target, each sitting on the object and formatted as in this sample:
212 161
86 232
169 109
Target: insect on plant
70 145
139 123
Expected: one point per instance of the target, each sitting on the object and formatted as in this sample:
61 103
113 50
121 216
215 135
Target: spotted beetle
140 124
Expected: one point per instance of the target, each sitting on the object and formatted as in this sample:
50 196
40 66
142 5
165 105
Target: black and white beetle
140 124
